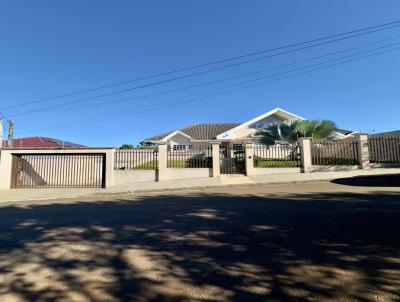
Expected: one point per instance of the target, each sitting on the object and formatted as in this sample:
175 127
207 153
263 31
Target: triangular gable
175 133
277 111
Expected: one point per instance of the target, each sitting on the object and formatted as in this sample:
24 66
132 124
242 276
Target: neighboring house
41 142
228 134
394 134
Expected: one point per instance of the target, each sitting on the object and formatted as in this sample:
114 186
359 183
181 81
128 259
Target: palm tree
289 132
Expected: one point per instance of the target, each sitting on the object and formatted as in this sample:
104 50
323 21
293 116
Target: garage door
58 171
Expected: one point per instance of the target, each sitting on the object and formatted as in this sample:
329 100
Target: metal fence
190 157
232 159
58 170
276 156
384 150
136 159
334 153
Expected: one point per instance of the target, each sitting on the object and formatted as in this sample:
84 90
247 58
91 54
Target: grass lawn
275 163
150 165
176 163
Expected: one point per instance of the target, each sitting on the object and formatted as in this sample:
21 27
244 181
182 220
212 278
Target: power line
125 113
229 78
121 113
181 77
379 27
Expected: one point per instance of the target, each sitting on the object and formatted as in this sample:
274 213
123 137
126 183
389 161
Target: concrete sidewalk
190 184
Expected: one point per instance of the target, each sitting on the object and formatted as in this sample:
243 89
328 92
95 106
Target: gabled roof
196 132
277 111
388 134
344 131
41 142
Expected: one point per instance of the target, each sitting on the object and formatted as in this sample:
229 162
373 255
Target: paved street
302 242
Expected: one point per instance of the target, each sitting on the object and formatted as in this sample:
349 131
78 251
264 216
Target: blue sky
50 48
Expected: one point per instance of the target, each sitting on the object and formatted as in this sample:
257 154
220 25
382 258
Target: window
179 147
237 147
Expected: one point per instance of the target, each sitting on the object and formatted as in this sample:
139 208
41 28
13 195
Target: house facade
229 134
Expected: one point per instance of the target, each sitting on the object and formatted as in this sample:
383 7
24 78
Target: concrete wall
122 177
333 168
384 165
266 171
184 173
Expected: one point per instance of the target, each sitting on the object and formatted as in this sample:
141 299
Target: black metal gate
232 160
58 171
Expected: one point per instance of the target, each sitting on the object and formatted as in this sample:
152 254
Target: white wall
122 177
266 171
179 140
184 173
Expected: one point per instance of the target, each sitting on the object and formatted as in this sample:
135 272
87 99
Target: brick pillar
362 151
215 159
249 157
305 149
162 162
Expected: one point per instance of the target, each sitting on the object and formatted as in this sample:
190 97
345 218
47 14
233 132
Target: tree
147 144
127 146
288 132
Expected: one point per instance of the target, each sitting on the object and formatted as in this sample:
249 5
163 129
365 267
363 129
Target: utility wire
361 32
123 113
176 78
128 113
215 81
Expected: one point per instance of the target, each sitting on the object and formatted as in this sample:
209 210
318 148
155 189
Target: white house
228 134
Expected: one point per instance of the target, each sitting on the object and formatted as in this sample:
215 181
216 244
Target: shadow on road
390 180
204 247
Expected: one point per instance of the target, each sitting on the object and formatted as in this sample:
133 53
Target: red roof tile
41 142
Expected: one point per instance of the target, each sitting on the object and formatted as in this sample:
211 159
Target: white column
362 150
215 159
305 149
162 161
5 169
249 157
1 134
109 168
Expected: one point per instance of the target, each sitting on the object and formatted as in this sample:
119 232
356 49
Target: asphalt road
310 242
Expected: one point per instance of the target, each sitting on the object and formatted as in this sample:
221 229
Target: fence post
215 159
162 161
5 169
109 168
249 157
362 151
305 152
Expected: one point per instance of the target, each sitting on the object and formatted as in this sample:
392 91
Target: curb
211 187
193 188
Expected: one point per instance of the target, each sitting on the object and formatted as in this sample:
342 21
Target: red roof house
41 142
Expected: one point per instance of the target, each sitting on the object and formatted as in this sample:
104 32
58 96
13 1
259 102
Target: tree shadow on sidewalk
203 247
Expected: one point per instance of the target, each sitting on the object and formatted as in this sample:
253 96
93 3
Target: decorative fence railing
384 150
191 157
334 153
276 156
136 159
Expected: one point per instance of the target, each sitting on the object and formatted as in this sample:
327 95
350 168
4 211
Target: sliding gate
58 170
